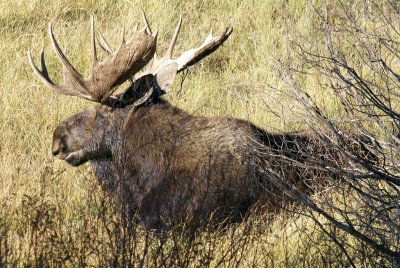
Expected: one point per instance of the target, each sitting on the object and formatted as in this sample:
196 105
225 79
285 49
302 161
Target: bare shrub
353 55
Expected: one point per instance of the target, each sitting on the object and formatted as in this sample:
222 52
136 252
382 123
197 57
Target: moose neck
129 129
105 167
114 129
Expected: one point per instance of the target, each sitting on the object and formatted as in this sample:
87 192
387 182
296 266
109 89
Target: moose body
167 165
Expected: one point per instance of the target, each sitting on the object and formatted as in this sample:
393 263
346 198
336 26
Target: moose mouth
74 159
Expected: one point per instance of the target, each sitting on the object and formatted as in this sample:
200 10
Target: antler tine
43 74
122 38
146 23
104 44
93 37
67 65
170 49
43 64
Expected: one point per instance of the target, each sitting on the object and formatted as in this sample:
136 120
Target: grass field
51 213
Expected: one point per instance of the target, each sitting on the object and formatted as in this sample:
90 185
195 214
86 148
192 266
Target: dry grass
54 214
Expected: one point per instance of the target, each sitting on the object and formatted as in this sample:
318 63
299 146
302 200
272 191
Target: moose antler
125 63
164 69
130 58
189 57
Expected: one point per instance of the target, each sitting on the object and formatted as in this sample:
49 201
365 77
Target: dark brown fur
170 167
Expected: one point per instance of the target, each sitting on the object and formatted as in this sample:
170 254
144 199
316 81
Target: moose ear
166 76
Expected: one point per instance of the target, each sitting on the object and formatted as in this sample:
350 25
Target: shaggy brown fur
170 167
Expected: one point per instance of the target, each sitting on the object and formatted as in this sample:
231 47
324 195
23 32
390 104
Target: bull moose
164 164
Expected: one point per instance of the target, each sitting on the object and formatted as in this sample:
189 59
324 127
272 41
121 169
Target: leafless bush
353 53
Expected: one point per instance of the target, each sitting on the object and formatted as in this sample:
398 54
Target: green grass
54 213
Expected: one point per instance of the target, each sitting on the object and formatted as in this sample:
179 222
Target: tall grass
53 214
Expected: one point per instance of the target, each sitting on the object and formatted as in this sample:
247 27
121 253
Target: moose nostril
57 147
56 151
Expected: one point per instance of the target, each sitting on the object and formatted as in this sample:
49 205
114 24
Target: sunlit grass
238 80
